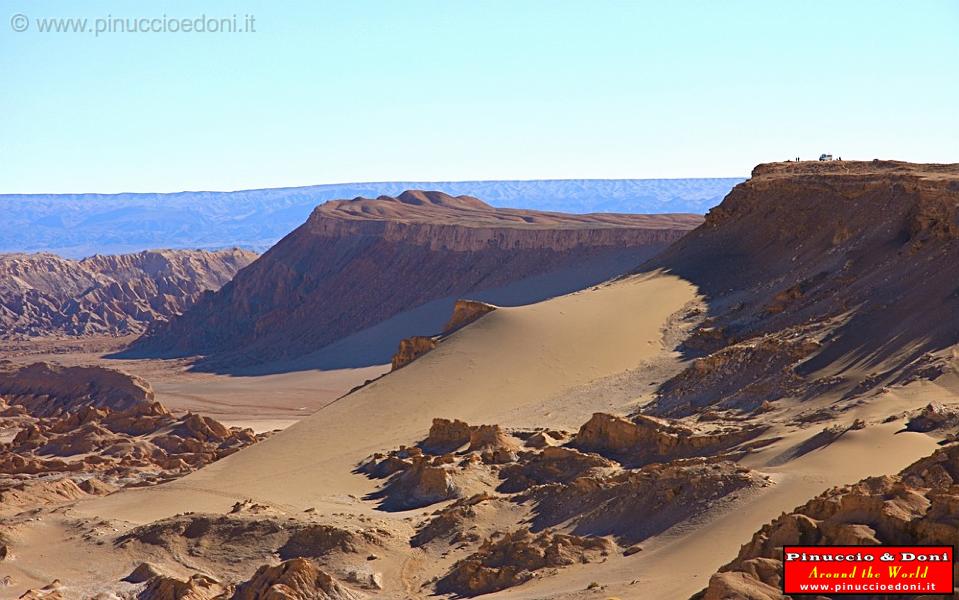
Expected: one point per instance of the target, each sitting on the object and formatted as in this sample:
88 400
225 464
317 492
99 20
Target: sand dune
509 359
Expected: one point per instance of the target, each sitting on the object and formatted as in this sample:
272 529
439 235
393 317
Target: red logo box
867 570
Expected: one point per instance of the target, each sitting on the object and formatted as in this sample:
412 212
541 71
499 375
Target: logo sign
861 570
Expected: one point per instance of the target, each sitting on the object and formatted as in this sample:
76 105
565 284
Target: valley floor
262 403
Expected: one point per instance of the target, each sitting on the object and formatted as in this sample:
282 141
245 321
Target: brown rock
932 417
605 500
320 540
514 557
45 389
552 465
197 587
83 421
915 507
465 312
410 349
446 435
296 579
642 439
808 263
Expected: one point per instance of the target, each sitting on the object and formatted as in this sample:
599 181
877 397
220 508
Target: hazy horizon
336 184
77 225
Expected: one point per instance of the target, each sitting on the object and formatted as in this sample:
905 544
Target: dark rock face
357 263
808 267
44 294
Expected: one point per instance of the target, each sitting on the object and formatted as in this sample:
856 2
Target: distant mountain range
77 225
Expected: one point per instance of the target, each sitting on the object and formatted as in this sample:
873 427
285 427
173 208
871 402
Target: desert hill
820 276
392 268
46 295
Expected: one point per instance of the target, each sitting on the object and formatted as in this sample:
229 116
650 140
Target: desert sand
262 403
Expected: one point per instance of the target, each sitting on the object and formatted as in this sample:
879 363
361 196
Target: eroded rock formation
44 294
642 439
410 349
295 579
89 430
464 313
496 475
514 557
917 506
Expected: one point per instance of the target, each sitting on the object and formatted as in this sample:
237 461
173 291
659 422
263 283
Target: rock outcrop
357 263
410 349
934 417
46 390
489 471
46 295
295 579
605 503
446 435
88 430
51 591
197 587
514 557
643 439
465 312
917 506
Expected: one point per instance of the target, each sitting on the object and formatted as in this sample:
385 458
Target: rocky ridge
402 253
44 295
799 305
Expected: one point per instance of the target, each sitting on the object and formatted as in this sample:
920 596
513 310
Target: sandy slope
510 358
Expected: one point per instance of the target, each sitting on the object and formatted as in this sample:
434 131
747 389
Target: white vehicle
825 157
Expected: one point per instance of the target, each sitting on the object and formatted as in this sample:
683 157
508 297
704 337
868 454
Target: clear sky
342 91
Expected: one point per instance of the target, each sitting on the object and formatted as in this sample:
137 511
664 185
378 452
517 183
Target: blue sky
328 92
